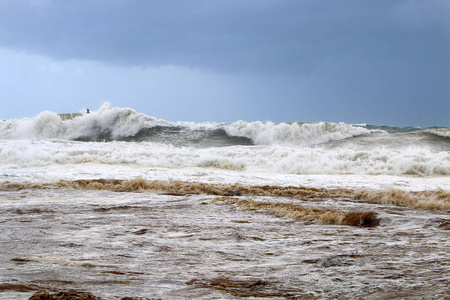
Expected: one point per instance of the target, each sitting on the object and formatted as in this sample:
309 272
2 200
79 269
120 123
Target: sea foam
302 134
107 121
267 159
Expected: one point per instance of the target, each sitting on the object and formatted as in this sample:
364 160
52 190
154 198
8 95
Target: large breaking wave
125 124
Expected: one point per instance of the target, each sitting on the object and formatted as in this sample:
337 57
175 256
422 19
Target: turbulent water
105 202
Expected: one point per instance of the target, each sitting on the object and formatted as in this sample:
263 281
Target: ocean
118 203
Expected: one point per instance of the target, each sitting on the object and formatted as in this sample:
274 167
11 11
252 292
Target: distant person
88 111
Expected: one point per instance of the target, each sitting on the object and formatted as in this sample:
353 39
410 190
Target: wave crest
108 123
296 133
125 124
444 132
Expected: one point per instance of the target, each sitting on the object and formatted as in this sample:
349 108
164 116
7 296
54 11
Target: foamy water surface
66 223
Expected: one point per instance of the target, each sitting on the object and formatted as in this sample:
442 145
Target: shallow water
151 245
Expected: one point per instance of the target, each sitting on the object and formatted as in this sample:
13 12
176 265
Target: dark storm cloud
276 36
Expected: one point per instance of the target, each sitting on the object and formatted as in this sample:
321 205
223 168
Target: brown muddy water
154 245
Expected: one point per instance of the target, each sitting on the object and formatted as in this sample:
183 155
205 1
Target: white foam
118 122
268 159
302 134
445 132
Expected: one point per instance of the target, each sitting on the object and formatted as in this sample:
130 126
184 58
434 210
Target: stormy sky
356 61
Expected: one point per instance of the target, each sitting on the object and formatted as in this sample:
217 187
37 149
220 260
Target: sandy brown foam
432 200
246 288
176 187
17 287
299 212
69 295
63 295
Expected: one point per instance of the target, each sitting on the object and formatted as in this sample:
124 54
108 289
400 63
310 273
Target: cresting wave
107 122
445 132
124 124
295 133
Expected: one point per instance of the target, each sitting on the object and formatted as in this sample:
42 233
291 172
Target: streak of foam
299 212
433 200
62 260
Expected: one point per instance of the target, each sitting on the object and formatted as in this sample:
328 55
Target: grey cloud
269 36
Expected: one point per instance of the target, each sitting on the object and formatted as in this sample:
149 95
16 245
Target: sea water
105 202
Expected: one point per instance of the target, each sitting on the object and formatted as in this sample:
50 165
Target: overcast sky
355 61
